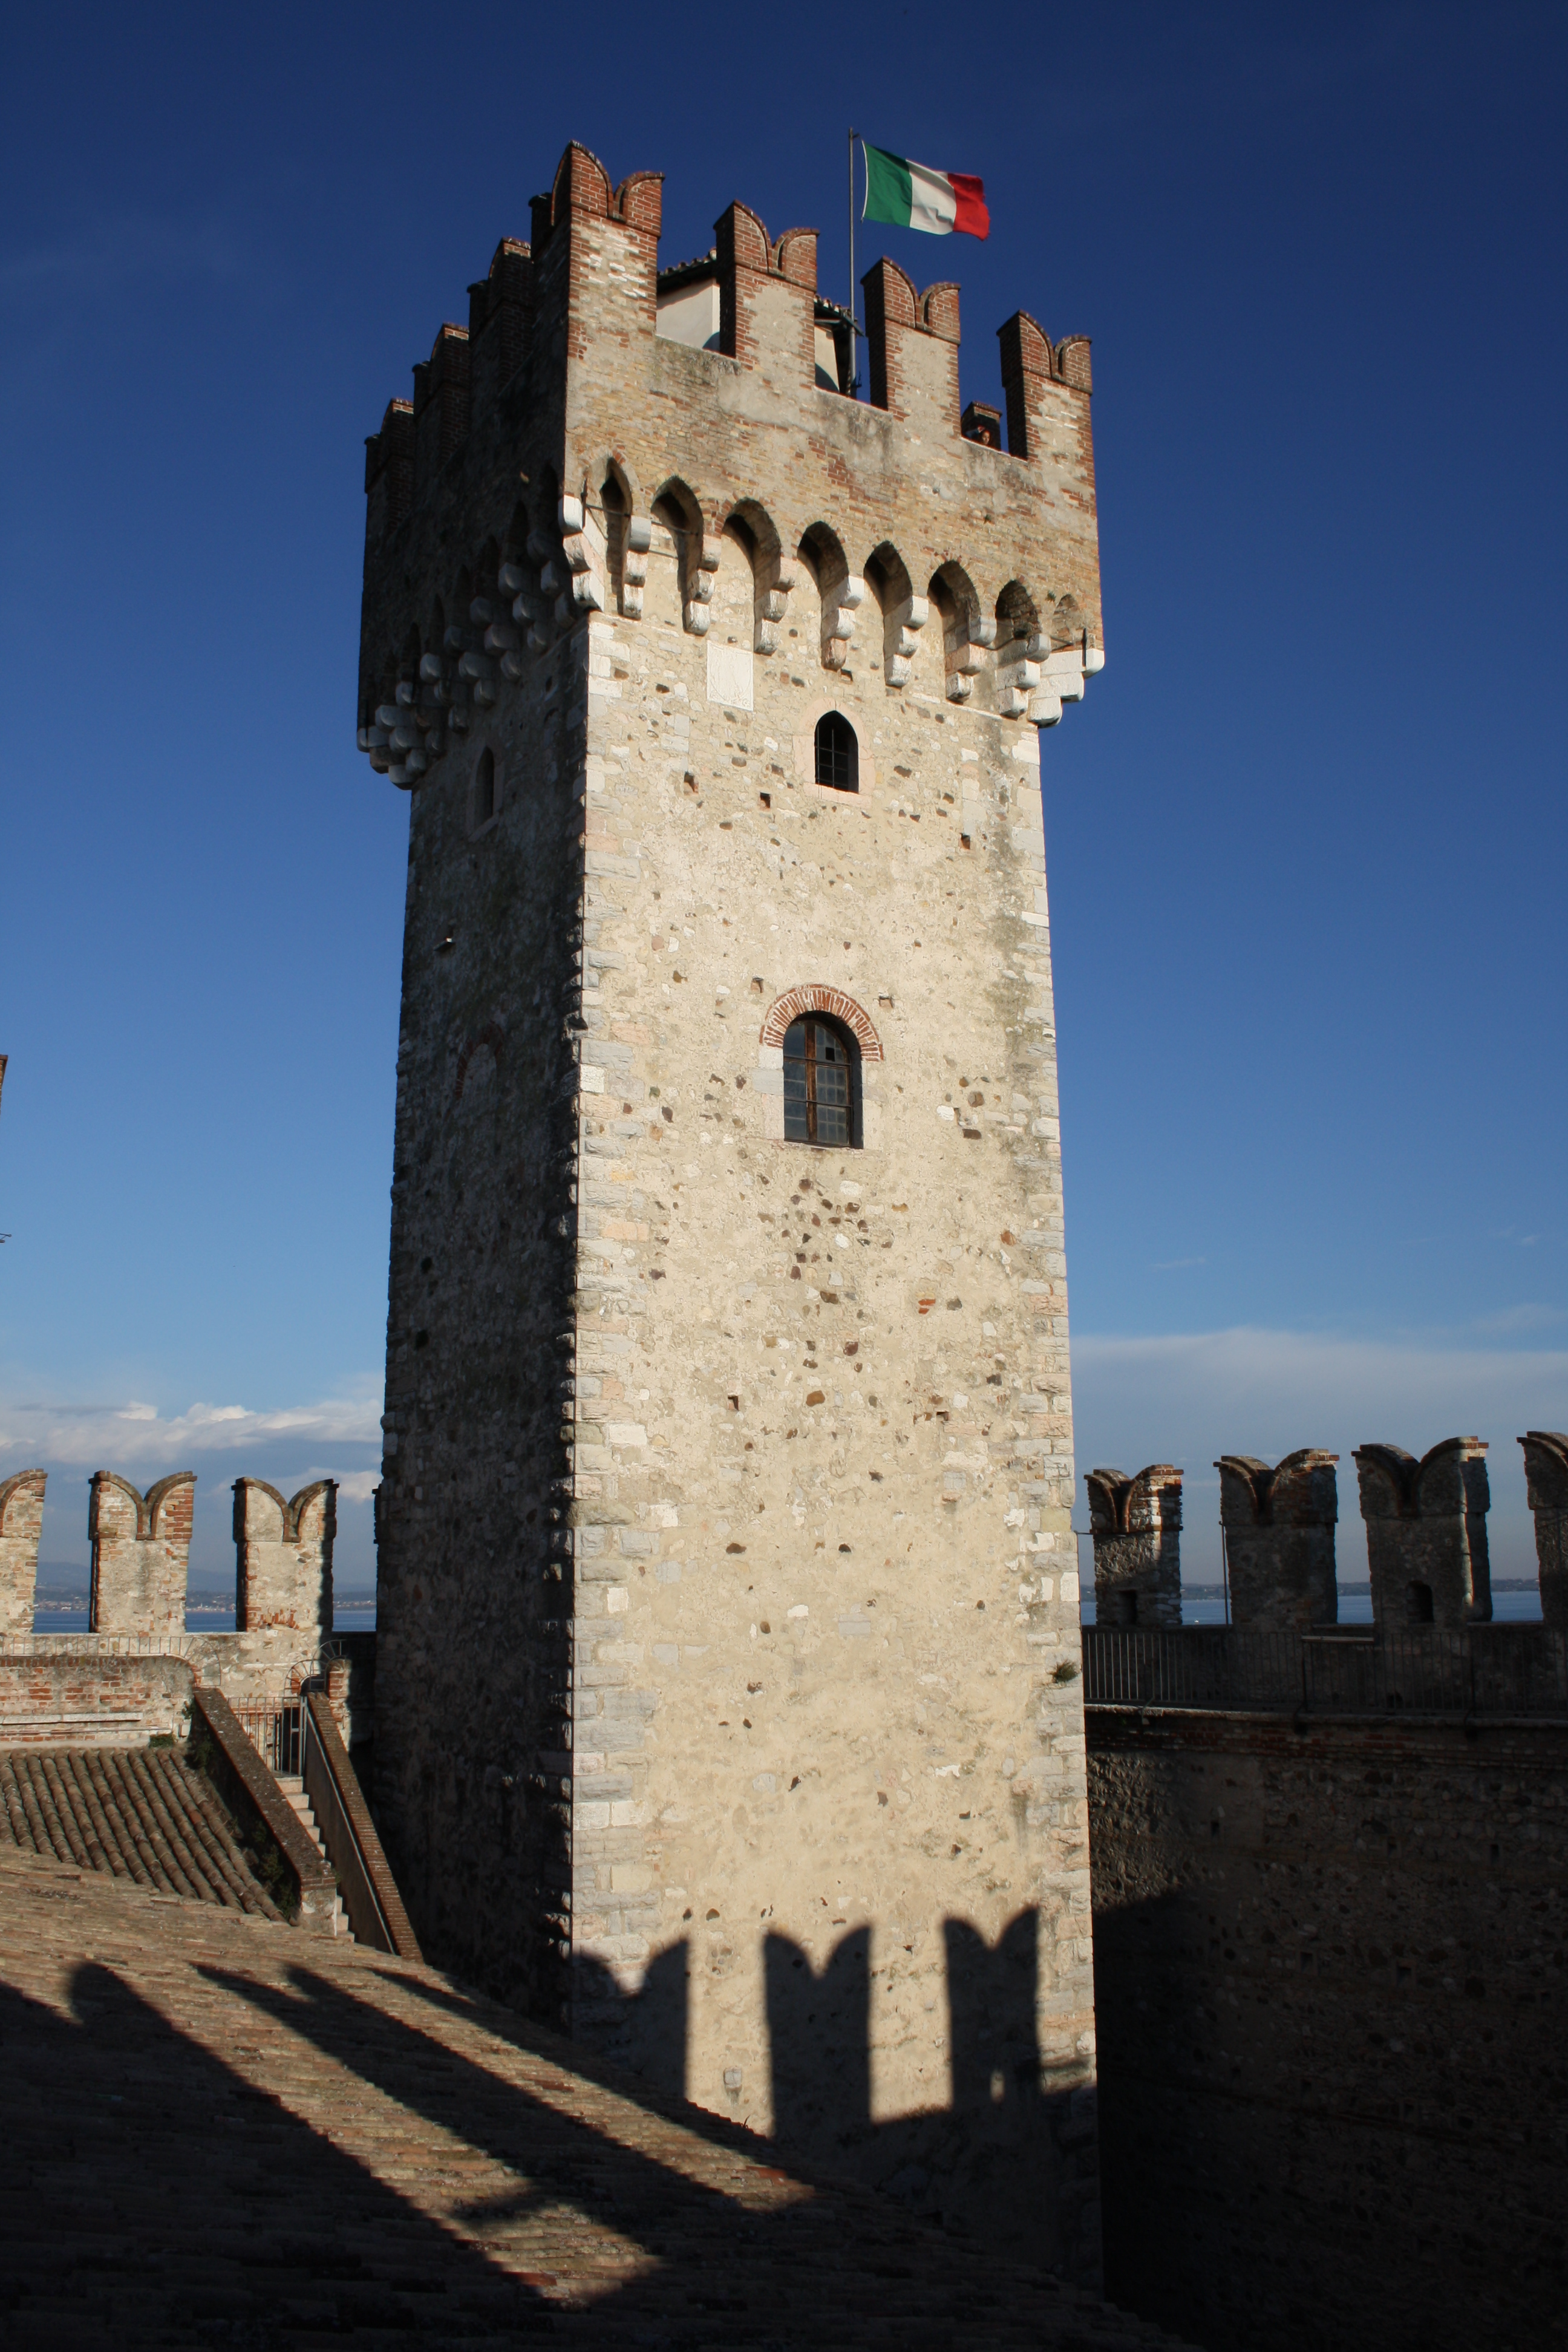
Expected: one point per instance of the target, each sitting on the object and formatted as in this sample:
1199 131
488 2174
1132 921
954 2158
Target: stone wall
65 1698
1330 1970
728 1677
81 1688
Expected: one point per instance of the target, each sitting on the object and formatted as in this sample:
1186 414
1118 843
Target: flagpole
854 384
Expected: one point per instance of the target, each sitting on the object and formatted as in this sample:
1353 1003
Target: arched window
838 754
821 1074
485 787
1418 1600
1126 1608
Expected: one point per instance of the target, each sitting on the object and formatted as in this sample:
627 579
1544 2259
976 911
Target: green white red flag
911 195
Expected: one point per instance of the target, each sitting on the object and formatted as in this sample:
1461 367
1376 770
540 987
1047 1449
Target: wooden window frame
810 1022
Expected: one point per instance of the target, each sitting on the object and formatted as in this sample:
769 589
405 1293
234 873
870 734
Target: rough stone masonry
728 1702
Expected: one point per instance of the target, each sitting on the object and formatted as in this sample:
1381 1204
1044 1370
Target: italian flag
914 196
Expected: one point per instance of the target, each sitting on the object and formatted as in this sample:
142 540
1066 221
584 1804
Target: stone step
293 1789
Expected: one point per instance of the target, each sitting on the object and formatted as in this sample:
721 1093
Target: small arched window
821 1071
1418 1600
485 787
1127 1608
838 754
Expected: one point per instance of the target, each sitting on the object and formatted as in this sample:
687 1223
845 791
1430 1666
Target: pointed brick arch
815 998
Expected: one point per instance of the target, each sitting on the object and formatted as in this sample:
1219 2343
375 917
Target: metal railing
273 1729
1477 1670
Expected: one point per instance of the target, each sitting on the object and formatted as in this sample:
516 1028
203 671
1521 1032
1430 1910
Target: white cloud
1189 1397
355 1486
105 1437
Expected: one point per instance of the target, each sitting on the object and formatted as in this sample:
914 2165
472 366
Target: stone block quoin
1279 1531
284 1555
1546 1478
140 1552
1136 1524
1427 1532
21 1526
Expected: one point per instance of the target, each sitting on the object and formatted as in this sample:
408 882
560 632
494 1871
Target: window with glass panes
838 754
819 1084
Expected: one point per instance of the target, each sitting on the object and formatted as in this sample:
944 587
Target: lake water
1355 1608
74 1620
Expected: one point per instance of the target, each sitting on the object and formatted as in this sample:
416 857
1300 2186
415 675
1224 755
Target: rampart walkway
215 2131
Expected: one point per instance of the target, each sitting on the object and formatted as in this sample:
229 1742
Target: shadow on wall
1010 2158
1280 2168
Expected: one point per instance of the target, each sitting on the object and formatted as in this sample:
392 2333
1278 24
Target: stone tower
728 1705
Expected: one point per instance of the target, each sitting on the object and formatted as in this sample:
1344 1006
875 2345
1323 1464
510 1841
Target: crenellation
1279 1537
1427 1532
21 1526
1137 1528
140 1551
284 1568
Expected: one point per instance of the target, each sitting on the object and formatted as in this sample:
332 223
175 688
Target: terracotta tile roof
139 1814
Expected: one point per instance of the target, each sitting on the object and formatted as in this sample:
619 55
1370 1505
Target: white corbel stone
634 564
839 606
1093 660
1046 707
774 588
501 637
511 579
699 620
404 692
430 667
583 547
475 665
904 624
1063 674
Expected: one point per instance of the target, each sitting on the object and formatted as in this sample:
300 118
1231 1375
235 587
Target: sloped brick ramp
142 1814
213 2134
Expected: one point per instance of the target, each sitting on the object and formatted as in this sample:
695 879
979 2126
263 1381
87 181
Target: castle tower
728 1692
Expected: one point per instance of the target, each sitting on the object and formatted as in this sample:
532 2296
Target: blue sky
1306 837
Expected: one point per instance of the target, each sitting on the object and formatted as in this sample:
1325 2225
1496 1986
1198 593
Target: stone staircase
293 1789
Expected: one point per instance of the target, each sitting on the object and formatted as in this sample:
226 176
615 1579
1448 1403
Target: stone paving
215 2133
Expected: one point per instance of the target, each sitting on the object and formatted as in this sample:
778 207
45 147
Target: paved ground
215 2131
140 1813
